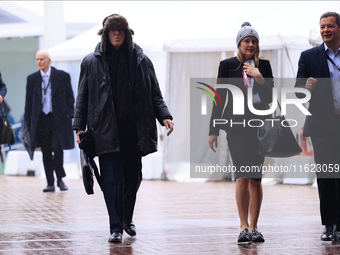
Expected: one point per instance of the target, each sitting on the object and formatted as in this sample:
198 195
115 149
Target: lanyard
332 61
248 81
45 89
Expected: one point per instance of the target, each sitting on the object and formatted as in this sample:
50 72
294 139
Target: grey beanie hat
246 30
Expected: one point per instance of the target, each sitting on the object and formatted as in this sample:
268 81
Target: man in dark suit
49 109
320 74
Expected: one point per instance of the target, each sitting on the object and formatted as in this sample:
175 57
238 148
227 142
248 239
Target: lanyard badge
249 81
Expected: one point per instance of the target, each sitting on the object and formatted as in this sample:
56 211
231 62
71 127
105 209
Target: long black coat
62 106
95 109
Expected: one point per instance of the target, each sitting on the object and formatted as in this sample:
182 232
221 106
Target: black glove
86 144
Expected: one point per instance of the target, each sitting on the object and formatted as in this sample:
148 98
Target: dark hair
332 14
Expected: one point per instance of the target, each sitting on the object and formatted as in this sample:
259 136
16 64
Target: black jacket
95 109
230 72
313 63
62 105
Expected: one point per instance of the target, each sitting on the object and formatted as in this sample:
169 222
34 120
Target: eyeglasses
117 30
40 59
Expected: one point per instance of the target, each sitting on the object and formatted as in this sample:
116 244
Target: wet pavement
170 217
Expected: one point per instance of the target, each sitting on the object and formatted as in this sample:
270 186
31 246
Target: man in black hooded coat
118 102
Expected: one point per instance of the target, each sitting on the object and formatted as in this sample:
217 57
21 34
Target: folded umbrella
87 173
25 138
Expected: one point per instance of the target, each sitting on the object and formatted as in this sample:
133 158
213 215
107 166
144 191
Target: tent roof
78 47
17 21
267 42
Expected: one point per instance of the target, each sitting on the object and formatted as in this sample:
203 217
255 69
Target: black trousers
121 177
327 156
53 155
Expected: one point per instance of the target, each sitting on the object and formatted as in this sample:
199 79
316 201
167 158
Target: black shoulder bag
7 135
276 138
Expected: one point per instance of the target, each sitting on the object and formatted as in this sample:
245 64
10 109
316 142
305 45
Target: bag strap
267 107
278 103
96 172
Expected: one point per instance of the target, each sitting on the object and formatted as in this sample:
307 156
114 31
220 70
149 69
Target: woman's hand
253 72
212 140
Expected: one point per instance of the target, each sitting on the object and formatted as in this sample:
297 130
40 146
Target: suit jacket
62 106
230 72
313 63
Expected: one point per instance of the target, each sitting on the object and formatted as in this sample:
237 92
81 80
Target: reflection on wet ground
171 218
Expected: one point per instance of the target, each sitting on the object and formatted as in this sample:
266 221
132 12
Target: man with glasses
49 109
118 102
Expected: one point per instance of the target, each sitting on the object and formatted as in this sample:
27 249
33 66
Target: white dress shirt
335 76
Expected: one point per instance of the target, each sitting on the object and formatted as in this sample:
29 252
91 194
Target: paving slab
170 217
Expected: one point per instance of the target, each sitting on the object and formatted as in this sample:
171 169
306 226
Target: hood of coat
115 21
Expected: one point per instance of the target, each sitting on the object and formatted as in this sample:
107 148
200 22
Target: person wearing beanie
118 102
245 70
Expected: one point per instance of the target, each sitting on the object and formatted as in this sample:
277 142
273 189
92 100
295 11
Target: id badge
256 98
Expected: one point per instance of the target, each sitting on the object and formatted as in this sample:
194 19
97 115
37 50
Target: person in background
49 109
319 72
3 92
118 102
245 70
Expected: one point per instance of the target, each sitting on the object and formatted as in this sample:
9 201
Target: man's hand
310 84
79 132
212 140
1 99
168 125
